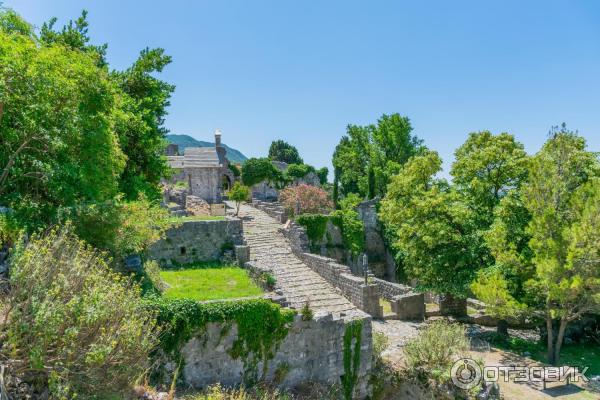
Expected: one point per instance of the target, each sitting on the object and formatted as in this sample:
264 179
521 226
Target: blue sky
302 71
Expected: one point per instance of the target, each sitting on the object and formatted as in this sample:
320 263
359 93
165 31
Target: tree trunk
559 339
502 328
550 333
237 208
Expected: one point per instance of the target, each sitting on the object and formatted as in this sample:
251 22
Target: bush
315 224
437 347
238 193
309 200
72 325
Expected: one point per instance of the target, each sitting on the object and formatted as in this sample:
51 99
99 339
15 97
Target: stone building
204 169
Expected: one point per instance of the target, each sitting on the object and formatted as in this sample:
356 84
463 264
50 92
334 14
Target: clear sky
303 70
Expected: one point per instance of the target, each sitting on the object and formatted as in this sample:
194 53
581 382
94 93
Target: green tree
284 152
57 143
565 205
238 193
486 168
323 173
551 240
433 228
298 171
256 170
141 124
368 156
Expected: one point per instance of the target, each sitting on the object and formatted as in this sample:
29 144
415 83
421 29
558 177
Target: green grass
179 220
576 355
209 281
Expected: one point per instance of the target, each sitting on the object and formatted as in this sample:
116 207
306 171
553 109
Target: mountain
183 141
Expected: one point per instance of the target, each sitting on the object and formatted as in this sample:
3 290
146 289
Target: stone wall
389 290
272 209
381 262
363 296
312 351
197 241
206 183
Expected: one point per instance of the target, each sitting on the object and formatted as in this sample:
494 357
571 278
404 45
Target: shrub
305 199
238 193
306 311
72 325
437 347
315 224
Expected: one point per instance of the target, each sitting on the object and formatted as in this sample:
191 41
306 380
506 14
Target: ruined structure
204 169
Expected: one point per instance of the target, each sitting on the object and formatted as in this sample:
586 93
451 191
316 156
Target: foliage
141 123
208 281
262 325
58 146
256 170
234 169
305 199
315 224
238 193
264 392
352 346
298 171
555 242
435 349
486 168
122 228
322 173
73 133
432 227
71 323
284 152
306 311
349 222
374 153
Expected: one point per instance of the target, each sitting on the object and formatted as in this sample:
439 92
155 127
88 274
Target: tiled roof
195 157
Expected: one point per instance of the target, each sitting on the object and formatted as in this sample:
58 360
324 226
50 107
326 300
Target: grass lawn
209 281
576 355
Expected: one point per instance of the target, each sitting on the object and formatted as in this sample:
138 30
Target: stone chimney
217 138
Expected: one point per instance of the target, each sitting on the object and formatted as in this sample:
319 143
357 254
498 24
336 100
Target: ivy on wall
262 326
353 233
353 333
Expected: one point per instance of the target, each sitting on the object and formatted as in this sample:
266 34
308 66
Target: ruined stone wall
205 183
381 262
363 296
312 351
197 241
389 290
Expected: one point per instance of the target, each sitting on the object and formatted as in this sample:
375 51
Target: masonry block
409 306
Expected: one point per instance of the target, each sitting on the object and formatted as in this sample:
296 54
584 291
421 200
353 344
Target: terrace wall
197 241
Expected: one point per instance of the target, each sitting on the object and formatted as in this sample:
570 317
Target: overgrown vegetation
432 353
352 345
305 199
71 324
262 325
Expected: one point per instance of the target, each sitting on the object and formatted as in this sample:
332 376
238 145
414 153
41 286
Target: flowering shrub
303 199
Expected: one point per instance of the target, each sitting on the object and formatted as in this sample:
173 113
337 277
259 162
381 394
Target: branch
11 162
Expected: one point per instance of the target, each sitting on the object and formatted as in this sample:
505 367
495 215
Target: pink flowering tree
305 199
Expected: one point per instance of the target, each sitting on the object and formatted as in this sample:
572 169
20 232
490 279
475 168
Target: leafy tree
284 152
256 170
350 224
58 146
486 168
565 206
368 156
433 227
141 124
238 193
323 173
235 170
556 240
298 171
71 326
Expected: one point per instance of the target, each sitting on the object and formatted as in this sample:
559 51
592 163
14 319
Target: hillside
184 141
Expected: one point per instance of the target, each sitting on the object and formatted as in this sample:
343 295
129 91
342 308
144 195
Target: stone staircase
270 250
